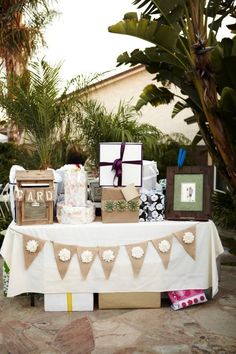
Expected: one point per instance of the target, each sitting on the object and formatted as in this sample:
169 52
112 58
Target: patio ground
205 328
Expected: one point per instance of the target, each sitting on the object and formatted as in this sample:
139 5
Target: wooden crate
34 197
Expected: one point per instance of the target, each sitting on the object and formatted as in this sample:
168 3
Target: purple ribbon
117 165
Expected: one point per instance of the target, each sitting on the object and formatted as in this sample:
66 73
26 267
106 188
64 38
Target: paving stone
76 337
13 339
114 334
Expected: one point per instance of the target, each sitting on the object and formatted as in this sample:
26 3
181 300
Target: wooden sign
34 197
189 191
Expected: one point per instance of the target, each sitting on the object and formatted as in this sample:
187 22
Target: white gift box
69 302
149 175
130 161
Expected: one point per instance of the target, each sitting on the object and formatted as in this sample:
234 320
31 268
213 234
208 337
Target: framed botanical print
189 191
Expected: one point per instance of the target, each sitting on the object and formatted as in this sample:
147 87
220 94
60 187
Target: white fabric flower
64 255
32 246
188 237
86 256
152 207
108 255
154 214
160 218
164 246
143 197
154 197
137 252
159 206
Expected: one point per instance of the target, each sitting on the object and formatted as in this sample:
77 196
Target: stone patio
205 328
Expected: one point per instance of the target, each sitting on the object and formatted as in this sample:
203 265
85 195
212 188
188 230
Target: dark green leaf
166 6
215 25
228 101
232 27
146 29
155 96
197 138
156 55
178 107
227 45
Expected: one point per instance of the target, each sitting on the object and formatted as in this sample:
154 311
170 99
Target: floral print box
152 206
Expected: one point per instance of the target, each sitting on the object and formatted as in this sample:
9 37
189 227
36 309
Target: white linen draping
182 272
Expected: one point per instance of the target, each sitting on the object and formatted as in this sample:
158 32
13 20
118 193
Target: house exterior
126 86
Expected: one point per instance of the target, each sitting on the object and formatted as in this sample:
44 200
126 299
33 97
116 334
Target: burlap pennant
31 247
187 239
136 253
63 255
86 257
163 246
107 257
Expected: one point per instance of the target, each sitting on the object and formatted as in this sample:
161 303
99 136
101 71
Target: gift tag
130 192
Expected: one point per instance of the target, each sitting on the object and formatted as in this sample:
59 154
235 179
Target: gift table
182 272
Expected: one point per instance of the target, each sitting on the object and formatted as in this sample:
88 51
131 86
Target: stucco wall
128 88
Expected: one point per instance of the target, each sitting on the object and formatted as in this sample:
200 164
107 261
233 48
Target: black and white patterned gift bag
152 206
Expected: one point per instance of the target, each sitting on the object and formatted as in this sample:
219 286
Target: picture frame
189 191
219 184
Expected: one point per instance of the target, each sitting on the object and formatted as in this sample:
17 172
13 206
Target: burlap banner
107 257
63 255
187 239
31 248
86 257
163 246
136 253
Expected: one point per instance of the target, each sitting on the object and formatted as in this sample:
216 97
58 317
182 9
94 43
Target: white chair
12 179
4 198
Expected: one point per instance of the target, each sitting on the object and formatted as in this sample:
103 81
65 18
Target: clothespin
181 157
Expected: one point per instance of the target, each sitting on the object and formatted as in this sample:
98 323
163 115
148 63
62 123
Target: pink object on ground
185 298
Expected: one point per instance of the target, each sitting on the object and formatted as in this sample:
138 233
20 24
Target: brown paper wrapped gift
129 300
115 209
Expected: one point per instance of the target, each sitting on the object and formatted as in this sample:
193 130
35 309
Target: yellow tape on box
69 302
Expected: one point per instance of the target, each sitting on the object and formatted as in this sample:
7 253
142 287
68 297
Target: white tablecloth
182 273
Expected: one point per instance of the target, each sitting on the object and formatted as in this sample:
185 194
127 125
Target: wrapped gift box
115 209
67 214
119 157
129 300
149 174
69 302
95 191
185 298
152 206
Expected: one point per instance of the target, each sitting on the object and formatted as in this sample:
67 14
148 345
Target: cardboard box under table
34 196
115 209
69 302
120 164
129 300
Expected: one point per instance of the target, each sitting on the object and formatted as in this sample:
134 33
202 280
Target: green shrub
12 154
224 210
